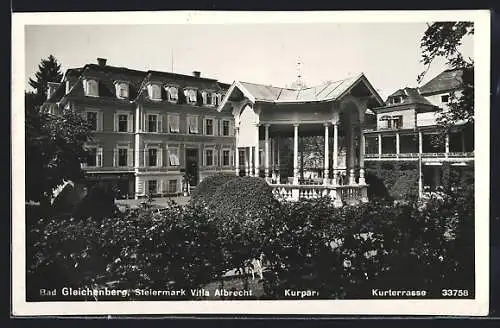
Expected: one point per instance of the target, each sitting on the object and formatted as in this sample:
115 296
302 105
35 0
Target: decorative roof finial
299 83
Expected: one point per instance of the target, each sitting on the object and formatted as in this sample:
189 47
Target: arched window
154 92
173 93
91 88
190 95
122 90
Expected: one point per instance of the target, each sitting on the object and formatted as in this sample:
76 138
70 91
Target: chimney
101 61
196 73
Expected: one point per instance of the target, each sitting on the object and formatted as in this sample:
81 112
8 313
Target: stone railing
340 194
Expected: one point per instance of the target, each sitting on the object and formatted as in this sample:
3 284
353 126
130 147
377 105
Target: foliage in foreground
342 253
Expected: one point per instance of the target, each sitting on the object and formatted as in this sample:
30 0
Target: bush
208 187
178 248
244 210
344 253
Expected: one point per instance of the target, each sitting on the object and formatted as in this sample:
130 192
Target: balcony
340 194
440 155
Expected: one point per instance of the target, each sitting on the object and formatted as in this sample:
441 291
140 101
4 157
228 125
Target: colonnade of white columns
252 156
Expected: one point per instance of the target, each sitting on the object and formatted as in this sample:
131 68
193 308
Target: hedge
178 248
245 209
208 186
344 253
340 252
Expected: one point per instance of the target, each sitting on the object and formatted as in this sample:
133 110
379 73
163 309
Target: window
172 186
209 157
225 128
92 120
122 123
445 99
122 156
173 123
152 157
225 158
191 97
193 124
152 187
397 122
173 94
173 156
154 91
208 98
121 90
153 123
396 100
91 88
217 98
94 157
209 126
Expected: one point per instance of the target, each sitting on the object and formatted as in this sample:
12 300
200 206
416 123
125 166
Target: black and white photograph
251 163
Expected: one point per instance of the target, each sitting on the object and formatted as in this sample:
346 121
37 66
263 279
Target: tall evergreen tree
54 144
49 70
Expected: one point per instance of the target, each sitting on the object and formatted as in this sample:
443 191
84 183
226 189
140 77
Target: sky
387 53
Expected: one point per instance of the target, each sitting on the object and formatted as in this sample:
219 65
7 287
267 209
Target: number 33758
455 292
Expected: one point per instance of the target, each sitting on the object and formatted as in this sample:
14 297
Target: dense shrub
178 248
208 186
344 253
245 210
388 180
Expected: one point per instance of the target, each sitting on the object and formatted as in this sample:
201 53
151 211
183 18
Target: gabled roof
449 79
410 96
325 92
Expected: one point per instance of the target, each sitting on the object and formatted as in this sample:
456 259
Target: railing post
337 195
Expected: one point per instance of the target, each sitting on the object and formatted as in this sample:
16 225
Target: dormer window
172 93
91 88
154 91
122 89
208 99
217 99
396 100
445 99
190 96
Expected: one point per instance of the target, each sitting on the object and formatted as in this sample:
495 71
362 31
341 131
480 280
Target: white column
446 145
362 159
327 160
250 161
351 156
335 150
237 153
266 152
379 145
420 141
278 163
257 154
137 150
397 144
295 153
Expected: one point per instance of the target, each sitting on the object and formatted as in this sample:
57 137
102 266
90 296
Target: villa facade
151 130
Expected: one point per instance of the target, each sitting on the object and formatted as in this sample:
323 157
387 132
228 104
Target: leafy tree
49 70
443 39
54 143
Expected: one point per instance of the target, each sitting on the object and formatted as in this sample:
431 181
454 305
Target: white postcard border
477 307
